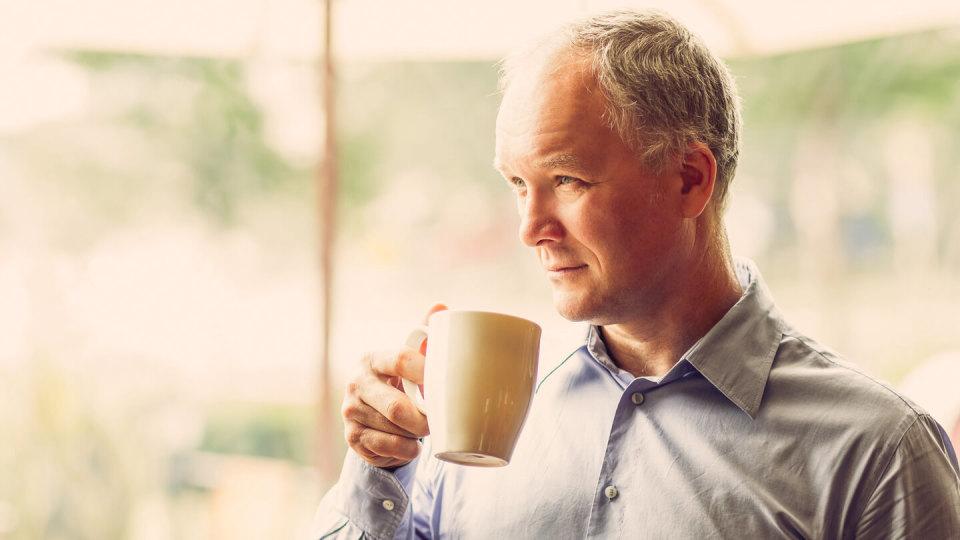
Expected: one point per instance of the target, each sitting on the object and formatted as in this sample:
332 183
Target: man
693 409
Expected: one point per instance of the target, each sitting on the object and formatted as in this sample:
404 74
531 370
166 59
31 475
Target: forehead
554 106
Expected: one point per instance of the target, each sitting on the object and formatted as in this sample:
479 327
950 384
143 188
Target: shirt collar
736 355
598 351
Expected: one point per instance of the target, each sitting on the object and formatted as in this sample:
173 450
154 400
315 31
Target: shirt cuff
372 498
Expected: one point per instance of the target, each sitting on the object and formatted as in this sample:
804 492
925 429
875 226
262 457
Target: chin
574 308
585 308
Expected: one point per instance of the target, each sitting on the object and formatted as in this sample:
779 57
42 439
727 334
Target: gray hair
664 88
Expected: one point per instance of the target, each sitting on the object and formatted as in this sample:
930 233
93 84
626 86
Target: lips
560 270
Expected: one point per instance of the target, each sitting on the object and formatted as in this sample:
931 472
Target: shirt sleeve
375 503
918 493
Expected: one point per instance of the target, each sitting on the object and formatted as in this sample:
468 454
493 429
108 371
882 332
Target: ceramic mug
479 378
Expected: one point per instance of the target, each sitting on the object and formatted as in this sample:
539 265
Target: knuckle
350 409
379 445
353 387
409 449
402 360
396 411
353 434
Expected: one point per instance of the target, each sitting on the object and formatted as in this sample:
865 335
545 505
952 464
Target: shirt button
388 505
611 492
636 398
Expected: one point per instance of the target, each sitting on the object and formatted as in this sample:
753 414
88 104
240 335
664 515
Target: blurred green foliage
854 83
199 114
411 116
264 430
851 95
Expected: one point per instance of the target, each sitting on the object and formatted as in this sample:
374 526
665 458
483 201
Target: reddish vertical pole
326 461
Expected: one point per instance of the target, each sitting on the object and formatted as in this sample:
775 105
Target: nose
538 220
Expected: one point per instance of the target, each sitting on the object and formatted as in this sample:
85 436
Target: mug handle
415 341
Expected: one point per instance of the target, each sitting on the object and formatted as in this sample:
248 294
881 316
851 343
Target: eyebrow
561 160
556 161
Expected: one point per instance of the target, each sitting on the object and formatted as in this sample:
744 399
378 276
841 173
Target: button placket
608 508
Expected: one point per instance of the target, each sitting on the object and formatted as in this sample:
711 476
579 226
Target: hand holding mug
478 379
381 423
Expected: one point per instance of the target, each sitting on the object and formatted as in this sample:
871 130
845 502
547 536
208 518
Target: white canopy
435 29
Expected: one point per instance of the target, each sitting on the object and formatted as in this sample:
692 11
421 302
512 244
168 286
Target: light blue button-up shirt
756 432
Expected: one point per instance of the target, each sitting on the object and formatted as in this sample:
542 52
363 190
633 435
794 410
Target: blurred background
165 210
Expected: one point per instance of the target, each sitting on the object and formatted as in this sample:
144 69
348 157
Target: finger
395 406
381 444
405 362
375 460
390 445
379 461
355 410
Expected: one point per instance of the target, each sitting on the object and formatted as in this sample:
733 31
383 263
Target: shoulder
830 386
839 414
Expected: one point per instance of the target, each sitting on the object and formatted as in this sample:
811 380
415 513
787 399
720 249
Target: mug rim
484 312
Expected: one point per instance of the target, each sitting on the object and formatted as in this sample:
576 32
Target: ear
698 174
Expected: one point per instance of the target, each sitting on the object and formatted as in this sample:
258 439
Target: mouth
564 271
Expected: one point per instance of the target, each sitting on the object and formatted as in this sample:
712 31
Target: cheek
629 241
623 232
608 243
591 230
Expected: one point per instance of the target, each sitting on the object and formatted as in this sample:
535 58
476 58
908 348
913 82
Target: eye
569 182
517 182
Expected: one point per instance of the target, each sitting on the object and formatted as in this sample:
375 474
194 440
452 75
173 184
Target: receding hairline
544 51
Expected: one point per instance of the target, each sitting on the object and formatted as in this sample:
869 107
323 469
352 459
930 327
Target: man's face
604 229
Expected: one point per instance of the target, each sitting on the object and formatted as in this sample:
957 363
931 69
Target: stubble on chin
573 307
596 309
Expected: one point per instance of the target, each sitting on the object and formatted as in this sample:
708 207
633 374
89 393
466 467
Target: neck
650 343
